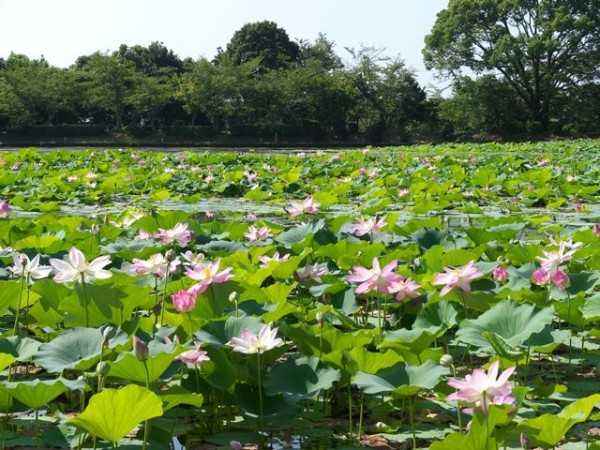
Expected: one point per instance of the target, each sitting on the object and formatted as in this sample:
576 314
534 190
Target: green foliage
110 415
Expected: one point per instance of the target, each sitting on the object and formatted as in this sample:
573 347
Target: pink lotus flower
207 274
306 206
457 278
250 343
179 233
195 356
258 234
184 301
406 288
192 260
367 226
596 229
157 264
77 269
484 389
541 277
5 209
551 260
560 279
311 272
265 260
500 274
375 279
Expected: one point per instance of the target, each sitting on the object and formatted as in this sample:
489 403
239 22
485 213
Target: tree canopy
263 40
540 47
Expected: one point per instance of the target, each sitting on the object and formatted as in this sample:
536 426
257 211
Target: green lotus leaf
129 367
176 395
402 379
548 430
38 393
300 376
516 324
77 349
113 413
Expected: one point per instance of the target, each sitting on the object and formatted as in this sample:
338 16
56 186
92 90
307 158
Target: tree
390 96
154 60
483 105
540 47
263 40
320 54
33 92
111 80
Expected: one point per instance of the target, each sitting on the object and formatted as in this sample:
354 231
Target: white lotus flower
29 269
250 343
78 269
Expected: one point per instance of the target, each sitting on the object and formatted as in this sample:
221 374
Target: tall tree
390 97
111 80
540 47
154 60
263 40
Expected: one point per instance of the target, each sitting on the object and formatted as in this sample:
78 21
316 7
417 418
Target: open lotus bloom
460 278
29 269
179 233
77 269
250 343
206 274
484 389
306 206
376 279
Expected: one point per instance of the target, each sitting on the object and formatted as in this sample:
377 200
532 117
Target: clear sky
62 30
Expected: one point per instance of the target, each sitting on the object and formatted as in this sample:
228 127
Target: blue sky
62 30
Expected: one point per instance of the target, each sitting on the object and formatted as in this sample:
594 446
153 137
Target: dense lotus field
422 297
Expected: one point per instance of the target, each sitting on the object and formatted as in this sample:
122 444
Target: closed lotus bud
446 360
560 279
233 297
170 255
524 441
140 348
108 332
157 309
320 317
235 445
103 368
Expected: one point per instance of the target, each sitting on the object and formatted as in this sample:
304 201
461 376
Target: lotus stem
411 418
146 423
85 302
260 398
360 420
18 311
164 295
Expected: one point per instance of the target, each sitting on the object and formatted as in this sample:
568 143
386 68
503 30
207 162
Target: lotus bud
170 255
446 360
108 332
103 368
235 445
524 441
140 348
233 297
157 309
320 317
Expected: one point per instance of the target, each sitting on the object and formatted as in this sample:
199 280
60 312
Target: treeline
263 84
